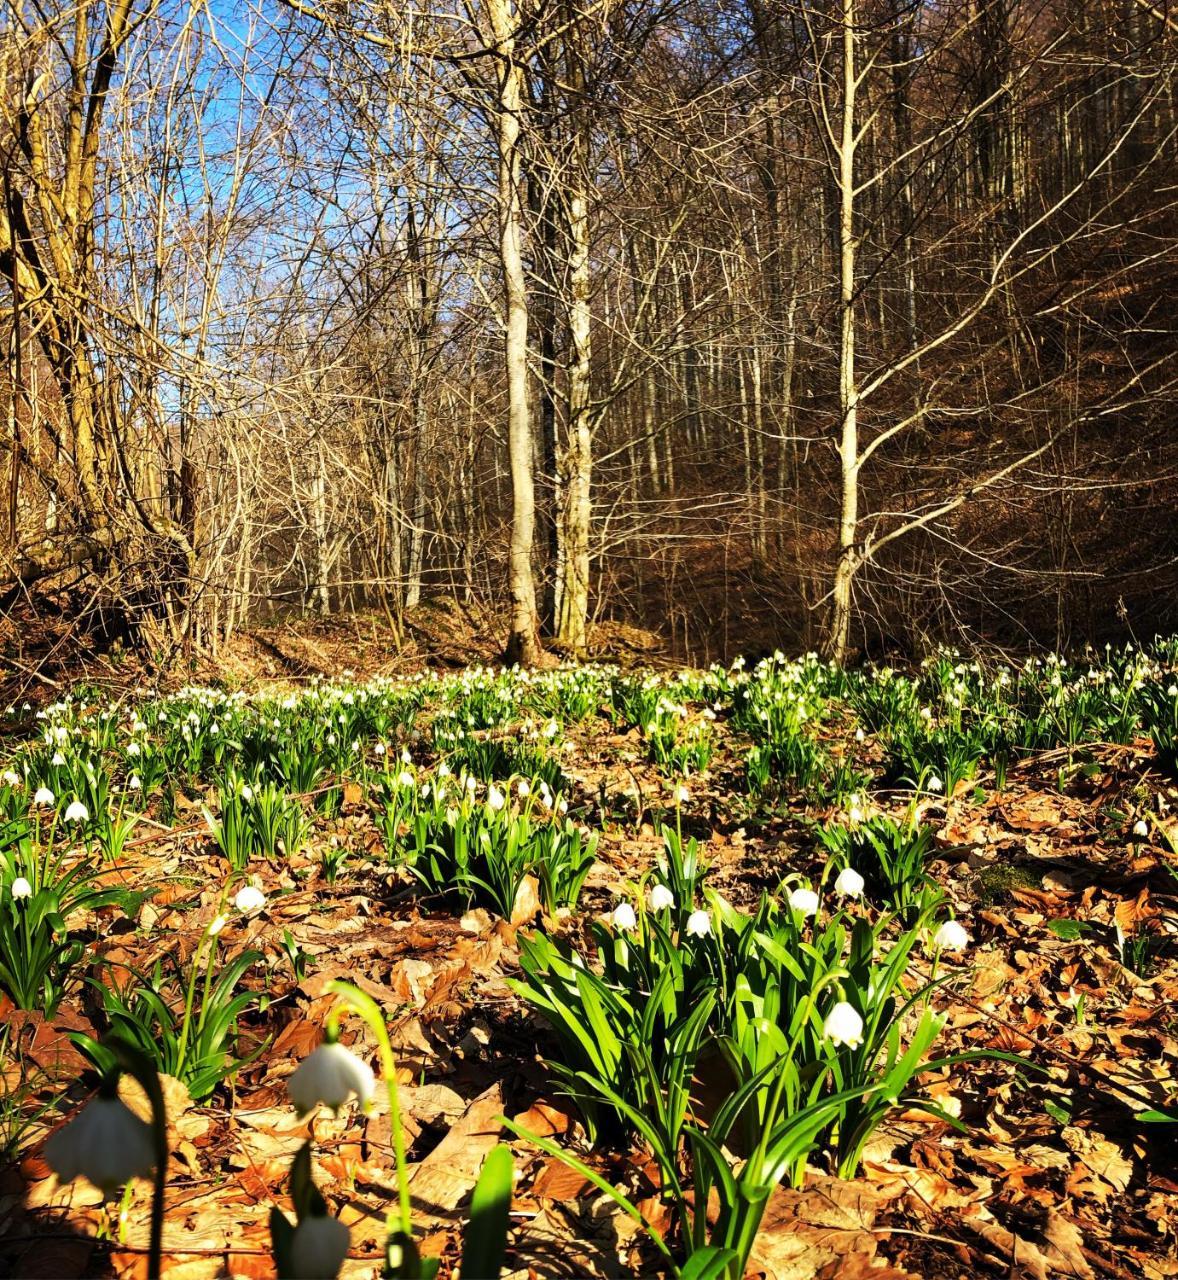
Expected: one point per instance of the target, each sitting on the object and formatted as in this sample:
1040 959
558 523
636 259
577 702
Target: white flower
133 748
624 917
661 897
843 1025
805 901
77 812
135 783
1141 827
247 793
318 1248
21 888
934 783
443 770
379 749
859 735
522 789
563 807
218 924
44 797
406 779
495 797
855 816
249 900
58 759
682 795
330 1075
106 1142
699 924
849 883
951 937
11 777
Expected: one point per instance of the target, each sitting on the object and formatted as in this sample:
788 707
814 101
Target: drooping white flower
661 898
495 798
682 795
406 779
805 901
44 798
21 888
330 1075
249 900
379 749
951 937
624 917
699 924
218 924
523 790
106 1142
58 759
1141 827
855 816
247 793
11 777
318 1247
843 1025
849 883
859 735
76 811
135 783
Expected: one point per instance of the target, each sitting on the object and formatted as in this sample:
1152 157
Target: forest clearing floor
1053 1175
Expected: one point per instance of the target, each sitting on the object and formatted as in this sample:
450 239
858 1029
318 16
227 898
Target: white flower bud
106 1142
318 1248
849 883
330 1075
661 898
249 900
805 901
495 798
843 1025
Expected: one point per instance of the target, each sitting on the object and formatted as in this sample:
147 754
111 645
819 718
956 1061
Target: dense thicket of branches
781 321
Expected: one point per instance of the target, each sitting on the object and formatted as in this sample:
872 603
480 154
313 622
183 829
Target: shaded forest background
697 316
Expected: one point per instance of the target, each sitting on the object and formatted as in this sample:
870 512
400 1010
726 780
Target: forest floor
1052 1176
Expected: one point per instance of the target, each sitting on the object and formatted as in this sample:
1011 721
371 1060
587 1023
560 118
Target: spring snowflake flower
849 883
805 901
682 795
106 1142
330 1075
699 924
495 798
522 789
406 779
58 759
247 793
249 900
855 816
661 898
859 735
1141 827
951 937
934 783
843 1025
11 777
21 888
379 749
44 797
135 783
77 812
319 1246
624 918
218 924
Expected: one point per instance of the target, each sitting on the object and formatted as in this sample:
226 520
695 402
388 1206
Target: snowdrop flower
935 784
805 901
843 1025
43 797
624 918
661 898
21 888
135 783
318 1247
849 883
77 812
330 1075
699 924
249 900
106 1142
951 937
1141 827
495 798
12 778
